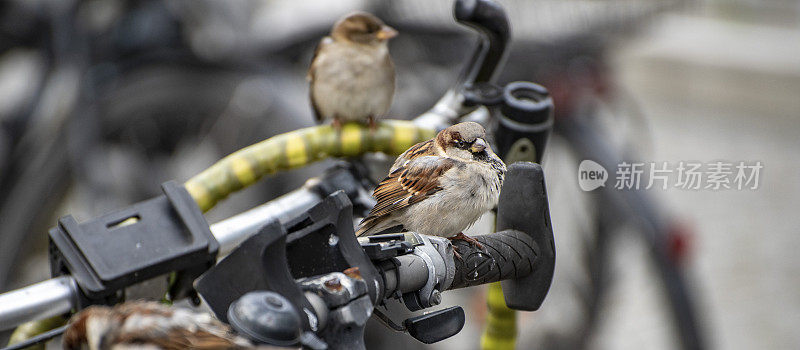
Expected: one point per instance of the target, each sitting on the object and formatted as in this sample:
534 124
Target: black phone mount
148 239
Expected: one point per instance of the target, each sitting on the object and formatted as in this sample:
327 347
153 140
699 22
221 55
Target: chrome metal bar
41 300
444 113
234 230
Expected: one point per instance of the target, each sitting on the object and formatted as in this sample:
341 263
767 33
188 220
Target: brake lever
489 20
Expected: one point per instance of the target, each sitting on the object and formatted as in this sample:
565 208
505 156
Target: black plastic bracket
348 177
317 242
523 114
259 264
523 122
151 238
323 240
387 246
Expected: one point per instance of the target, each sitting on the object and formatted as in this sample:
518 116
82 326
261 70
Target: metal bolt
333 285
274 301
436 297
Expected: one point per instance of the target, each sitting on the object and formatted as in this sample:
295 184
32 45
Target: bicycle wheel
614 262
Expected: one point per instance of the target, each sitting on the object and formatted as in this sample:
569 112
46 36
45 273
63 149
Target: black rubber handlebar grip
504 255
523 206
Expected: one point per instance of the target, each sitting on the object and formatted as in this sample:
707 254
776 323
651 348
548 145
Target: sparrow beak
478 146
386 33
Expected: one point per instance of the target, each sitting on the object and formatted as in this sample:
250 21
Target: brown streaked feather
422 149
75 335
149 324
414 181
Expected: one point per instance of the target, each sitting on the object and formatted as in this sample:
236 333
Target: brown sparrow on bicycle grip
439 187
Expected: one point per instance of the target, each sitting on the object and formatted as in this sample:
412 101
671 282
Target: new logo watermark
591 175
684 175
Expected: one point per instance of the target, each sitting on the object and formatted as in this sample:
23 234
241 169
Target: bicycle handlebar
506 254
59 295
490 20
503 255
510 254
347 278
53 297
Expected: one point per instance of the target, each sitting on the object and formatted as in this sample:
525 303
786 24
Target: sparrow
149 325
351 76
439 187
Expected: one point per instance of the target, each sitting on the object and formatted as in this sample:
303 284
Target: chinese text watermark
684 175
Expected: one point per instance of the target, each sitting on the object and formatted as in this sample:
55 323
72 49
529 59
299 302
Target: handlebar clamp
437 253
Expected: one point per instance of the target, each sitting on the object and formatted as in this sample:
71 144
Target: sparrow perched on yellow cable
439 187
352 75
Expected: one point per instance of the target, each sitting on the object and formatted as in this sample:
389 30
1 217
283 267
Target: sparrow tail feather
368 225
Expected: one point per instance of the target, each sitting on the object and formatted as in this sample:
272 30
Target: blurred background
103 100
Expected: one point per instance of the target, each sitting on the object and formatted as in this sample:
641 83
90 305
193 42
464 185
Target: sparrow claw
462 237
337 124
457 255
373 125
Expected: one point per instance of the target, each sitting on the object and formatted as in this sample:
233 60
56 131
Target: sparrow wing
415 180
421 149
310 74
322 43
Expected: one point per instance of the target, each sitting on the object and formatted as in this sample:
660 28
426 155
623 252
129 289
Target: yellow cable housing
299 148
31 329
501 324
